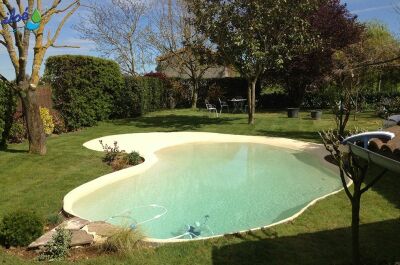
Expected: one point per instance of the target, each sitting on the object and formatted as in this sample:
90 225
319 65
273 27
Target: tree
255 36
183 49
116 29
17 45
357 170
352 68
337 28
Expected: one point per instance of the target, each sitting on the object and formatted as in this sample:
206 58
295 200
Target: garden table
238 104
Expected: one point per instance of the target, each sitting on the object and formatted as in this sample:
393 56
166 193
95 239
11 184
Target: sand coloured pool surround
215 183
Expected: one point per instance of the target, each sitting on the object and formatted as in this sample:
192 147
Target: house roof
163 57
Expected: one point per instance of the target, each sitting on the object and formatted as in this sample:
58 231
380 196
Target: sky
381 10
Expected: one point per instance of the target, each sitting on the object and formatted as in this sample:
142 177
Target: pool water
213 189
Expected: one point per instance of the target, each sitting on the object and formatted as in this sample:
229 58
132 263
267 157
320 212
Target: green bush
20 228
84 88
7 109
58 247
134 158
54 219
141 95
18 132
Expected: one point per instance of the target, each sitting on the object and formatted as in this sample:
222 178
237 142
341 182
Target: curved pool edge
149 143
289 219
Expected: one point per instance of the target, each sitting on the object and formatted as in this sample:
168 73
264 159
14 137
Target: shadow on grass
176 122
300 135
13 151
379 245
389 187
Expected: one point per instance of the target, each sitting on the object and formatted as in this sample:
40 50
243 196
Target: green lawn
320 236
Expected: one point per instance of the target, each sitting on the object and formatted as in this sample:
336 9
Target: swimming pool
203 189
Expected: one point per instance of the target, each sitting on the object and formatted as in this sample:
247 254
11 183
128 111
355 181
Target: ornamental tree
16 40
337 29
354 65
255 36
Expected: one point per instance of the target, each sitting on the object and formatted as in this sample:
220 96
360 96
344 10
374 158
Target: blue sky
381 10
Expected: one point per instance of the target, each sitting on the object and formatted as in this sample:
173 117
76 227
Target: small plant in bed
58 247
119 159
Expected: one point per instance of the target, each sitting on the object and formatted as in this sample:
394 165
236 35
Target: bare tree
17 42
357 170
116 28
183 49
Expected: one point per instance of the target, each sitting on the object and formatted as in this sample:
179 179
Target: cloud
370 9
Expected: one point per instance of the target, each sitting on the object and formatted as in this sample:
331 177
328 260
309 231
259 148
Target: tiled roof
389 148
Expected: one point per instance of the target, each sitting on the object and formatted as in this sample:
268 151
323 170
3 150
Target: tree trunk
195 94
355 224
251 100
34 124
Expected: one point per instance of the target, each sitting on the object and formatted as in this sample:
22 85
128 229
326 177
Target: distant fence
44 98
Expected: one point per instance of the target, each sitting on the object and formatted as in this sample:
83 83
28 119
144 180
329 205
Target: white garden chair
223 104
211 108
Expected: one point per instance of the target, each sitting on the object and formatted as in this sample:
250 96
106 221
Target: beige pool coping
147 144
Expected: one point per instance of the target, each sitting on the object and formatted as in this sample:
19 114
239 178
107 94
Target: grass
320 236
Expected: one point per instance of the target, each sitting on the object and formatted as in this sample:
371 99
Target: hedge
84 88
7 109
141 95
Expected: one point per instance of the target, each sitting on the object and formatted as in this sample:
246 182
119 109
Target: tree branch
65 46
344 183
377 63
367 187
62 23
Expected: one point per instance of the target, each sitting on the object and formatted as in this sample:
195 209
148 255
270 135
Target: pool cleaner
197 230
134 224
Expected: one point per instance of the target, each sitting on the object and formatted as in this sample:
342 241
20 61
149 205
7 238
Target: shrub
111 152
7 108
53 219
84 88
317 100
120 162
20 228
18 132
58 247
119 159
125 241
134 158
393 106
47 120
59 124
124 160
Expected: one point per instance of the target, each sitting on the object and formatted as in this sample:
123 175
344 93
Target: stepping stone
41 241
80 238
75 223
101 229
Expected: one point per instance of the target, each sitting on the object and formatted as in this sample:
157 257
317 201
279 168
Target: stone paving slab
41 241
75 223
101 229
80 238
